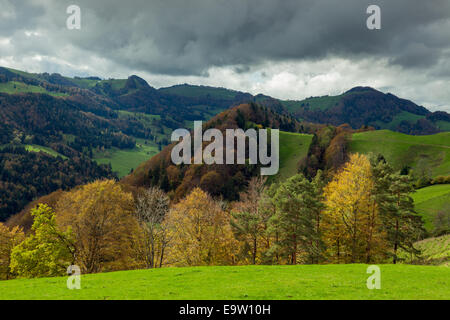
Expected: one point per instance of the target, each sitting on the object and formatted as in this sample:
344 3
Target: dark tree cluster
26 175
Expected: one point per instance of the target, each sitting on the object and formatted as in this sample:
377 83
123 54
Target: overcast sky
289 49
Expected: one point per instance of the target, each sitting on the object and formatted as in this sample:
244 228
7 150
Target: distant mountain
365 106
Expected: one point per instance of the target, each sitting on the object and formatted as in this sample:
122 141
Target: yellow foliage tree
200 232
101 217
352 226
9 238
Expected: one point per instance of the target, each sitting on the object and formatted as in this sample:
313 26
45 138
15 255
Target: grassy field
293 147
430 200
36 148
247 283
14 87
398 118
200 91
122 161
432 151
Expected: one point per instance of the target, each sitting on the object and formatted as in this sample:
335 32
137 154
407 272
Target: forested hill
365 106
225 181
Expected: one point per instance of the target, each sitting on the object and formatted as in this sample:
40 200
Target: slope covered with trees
365 106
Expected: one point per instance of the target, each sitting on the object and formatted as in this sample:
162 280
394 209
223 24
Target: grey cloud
189 37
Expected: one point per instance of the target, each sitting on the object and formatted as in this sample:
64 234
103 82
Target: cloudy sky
288 49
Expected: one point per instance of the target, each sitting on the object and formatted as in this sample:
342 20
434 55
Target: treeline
25 176
361 214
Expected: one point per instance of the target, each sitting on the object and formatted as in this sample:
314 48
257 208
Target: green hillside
246 283
397 119
293 148
430 200
36 148
434 251
200 91
124 160
313 103
431 152
14 87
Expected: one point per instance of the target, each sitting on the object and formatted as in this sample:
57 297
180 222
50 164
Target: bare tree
151 208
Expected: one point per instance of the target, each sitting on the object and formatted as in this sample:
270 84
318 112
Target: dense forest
25 176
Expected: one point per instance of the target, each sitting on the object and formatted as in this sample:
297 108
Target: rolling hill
333 282
429 153
431 200
365 106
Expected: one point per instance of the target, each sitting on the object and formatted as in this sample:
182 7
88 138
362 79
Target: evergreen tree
392 193
297 203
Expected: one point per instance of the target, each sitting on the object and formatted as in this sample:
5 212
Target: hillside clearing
123 161
293 147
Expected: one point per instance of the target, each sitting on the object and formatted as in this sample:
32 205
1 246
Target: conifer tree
297 203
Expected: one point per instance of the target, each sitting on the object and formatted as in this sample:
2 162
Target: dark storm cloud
190 36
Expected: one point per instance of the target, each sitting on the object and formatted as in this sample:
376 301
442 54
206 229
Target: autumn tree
9 238
201 232
352 224
151 208
101 217
248 221
47 252
297 203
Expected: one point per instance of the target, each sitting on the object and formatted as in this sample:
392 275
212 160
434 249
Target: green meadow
431 151
246 283
430 200
293 147
14 87
49 151
124 160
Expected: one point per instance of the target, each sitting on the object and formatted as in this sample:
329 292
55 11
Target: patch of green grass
36 148
402 116
200 91
430 200
313 103
443 125
84 83
293 147
243 283
434 251
14 87
400 150
122 161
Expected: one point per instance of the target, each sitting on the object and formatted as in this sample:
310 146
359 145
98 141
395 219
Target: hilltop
365 106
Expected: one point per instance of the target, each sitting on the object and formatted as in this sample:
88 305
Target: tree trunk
254 250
